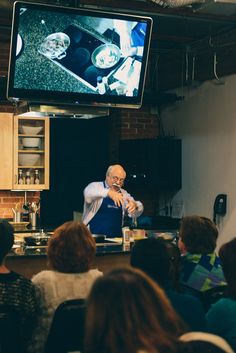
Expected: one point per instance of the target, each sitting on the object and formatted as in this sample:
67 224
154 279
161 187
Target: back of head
127 312
227 255
151 256
6 238
199 234
72 248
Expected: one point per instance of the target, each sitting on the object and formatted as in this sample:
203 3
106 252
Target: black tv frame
20 64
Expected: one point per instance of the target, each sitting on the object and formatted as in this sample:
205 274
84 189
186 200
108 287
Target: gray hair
109 169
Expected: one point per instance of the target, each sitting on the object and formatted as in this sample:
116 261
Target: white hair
109 169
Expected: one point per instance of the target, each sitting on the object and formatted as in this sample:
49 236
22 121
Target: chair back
11 335
212 295
207 297
67 330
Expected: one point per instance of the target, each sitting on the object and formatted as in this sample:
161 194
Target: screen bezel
46 96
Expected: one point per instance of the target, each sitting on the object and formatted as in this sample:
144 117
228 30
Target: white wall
206 123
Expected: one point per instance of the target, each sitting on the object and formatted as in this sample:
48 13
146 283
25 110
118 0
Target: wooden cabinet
24 144
6 150
31 153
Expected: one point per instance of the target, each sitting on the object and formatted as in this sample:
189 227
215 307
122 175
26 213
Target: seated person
128 312
155 257
201 266
71 252
16 291
221 318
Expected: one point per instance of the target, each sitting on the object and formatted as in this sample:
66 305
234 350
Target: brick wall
9 199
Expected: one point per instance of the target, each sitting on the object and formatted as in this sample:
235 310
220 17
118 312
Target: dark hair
151 256
199 234
72 248
6 238
126 312
227 254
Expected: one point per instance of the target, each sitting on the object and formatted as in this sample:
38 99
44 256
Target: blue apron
108 219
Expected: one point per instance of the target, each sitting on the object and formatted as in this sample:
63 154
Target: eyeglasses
115 178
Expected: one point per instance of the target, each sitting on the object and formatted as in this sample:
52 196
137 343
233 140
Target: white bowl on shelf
30 130
31 142
30 159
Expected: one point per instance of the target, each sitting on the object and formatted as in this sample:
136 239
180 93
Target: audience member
16 291
70 255
128 312
221 318
160 260
201 266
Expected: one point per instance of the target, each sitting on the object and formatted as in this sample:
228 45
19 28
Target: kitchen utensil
29 159
99 238
106 56
30 130
17 216
19 225
33 219
36 240
55 45
31 142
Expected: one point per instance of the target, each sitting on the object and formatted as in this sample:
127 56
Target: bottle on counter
36 177
126 235
27 178
20 177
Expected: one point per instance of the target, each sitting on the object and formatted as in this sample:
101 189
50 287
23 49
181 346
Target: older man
105 203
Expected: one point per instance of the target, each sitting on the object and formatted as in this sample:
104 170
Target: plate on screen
19 45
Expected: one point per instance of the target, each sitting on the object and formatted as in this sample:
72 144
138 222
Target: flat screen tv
78 56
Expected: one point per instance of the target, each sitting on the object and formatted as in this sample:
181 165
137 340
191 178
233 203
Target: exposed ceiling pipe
217 79
176 3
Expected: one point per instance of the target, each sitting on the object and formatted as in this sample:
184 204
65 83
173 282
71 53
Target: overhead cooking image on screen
86 52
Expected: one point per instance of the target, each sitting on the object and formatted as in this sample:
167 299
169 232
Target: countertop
102 249
107 247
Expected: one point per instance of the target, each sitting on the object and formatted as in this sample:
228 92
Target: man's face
116 178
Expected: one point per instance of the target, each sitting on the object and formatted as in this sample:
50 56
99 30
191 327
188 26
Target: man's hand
116 196
131 206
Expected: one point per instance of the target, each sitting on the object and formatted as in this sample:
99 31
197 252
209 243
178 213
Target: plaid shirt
201 272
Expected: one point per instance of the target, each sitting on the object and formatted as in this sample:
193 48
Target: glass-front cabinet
31 153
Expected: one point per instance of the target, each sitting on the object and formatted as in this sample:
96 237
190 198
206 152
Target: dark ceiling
195 42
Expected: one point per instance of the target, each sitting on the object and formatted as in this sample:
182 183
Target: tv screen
77 56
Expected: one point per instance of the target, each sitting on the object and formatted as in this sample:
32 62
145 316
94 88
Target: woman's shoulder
95 273
42 275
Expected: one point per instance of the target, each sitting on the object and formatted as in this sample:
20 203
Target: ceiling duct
214 7
176 3
60 111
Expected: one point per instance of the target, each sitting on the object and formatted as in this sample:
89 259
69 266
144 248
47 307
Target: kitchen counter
31 260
